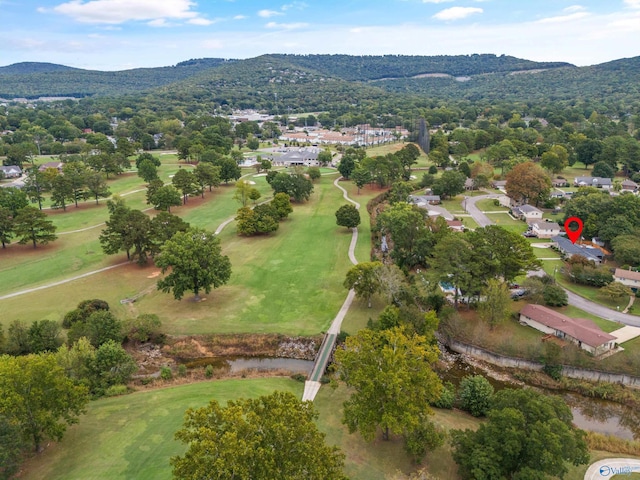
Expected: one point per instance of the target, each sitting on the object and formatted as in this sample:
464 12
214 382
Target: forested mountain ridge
32 80
376 67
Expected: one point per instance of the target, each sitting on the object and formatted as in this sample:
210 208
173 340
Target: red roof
579 328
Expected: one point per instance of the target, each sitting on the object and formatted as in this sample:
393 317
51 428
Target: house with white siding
579 331
542 229
628 278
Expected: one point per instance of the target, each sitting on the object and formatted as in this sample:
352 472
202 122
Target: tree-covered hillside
32 80
369 67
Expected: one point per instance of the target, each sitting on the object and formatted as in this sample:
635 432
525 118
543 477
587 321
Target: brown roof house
628 278
580 331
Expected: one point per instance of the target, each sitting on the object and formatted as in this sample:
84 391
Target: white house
11 171
579 331
526 212
543 229
628 278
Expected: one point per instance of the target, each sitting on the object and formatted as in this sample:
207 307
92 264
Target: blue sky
122 34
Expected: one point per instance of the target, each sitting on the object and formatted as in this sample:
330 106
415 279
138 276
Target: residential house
598 182
506 201
456 225
629 186
579 331
11 171
423 200
559 182
628 278
499 184
569 249
470 184
526 212
57 165
545 229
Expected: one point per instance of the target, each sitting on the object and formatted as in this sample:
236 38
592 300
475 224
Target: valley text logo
605 470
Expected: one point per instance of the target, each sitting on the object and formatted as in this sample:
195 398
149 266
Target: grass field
131 437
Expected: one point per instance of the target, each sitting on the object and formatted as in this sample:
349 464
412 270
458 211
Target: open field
132 436
270 289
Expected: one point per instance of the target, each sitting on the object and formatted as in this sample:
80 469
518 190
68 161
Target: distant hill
369 67
279 82
32 80
28 68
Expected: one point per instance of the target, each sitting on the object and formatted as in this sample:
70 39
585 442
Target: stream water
588 413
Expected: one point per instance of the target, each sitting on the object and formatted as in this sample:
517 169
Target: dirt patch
245 345
154 274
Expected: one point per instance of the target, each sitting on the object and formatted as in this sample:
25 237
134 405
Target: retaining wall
568 371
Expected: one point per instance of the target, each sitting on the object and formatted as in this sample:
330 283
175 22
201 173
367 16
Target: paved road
480 218
574 299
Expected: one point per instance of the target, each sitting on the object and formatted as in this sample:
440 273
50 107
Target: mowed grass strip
131 437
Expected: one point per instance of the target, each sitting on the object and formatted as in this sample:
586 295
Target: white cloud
200 21
268 13
240 17
574 8
120 11
456 13
632 3
296 5
565 18
287 26
159 22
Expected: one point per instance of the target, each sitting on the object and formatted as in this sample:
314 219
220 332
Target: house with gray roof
598 182
11 171
579 331
526 212
299 157
569 249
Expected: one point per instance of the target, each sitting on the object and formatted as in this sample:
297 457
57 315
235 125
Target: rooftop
579 328
626 274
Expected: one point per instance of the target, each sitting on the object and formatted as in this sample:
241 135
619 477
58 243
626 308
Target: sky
124 34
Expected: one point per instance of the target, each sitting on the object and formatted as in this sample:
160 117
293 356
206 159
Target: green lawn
131 437
488 205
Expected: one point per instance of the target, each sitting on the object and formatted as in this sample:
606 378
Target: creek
591 414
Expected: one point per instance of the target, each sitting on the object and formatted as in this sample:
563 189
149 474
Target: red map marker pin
573 234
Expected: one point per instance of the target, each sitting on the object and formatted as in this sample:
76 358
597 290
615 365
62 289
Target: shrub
299 377
166 373
182 370
115 390
475 395
554 296
208 371
447 397
143 328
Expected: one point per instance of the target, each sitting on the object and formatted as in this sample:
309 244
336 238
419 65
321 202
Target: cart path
312 385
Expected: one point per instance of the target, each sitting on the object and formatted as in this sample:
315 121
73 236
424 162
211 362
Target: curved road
574 299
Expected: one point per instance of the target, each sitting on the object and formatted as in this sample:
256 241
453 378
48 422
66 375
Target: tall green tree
410 240
34 185
196 263
450 184
273 436
392 378
528 434
282 204
128 230
207 175
76 174
186 182
348 216
97 186
61 192
6 226
494 308
363 279
33 225
39 397
165 197
13 198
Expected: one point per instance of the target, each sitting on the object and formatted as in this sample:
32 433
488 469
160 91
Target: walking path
312 385
574 299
